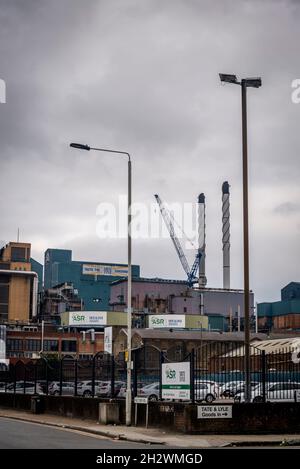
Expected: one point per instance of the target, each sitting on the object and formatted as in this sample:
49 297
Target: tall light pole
244 84
129 280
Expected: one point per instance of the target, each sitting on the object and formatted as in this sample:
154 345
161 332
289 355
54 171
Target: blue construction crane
169 221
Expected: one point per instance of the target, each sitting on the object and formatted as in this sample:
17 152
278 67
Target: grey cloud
143 76
287 208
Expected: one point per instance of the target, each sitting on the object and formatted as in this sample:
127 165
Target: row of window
35 345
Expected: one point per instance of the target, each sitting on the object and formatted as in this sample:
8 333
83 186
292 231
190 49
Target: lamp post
129 280
244 84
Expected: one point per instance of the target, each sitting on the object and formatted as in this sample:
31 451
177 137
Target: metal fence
217 374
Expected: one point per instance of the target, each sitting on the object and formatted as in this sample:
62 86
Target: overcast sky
142 76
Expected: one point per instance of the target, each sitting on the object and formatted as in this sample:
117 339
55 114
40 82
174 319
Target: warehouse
281 315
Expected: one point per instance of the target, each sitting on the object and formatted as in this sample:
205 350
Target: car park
151 391
104 389
230 388
274 392
24 388
67 388
205 392
85 388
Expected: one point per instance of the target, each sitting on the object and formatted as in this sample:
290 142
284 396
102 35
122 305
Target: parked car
151 391
275 392
30 388
122 392
241 388
215 386
84 388
205 392
229 389
68 388
2 387
105 388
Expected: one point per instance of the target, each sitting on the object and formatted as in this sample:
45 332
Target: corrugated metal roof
270 346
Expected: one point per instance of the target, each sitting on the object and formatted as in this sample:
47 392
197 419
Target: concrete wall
246 418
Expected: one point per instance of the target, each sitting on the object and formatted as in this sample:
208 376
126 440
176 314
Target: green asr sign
157 321
78 318
171 374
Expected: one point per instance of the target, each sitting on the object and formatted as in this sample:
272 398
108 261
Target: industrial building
20 277
283 315
32 341
91 280
224 308
57 300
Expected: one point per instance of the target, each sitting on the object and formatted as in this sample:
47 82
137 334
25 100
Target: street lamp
245 83
129 280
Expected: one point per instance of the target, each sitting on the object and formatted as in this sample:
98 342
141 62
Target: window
14 344
50 346
34 345
68 345
4 290
18 254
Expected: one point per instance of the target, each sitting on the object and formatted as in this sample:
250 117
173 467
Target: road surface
22 435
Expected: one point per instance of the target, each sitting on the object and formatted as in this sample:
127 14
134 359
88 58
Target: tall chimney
226 235
201 239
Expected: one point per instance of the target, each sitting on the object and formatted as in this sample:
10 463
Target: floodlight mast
245 83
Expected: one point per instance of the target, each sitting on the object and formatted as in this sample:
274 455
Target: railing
216 374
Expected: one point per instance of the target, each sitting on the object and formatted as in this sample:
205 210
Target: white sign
3 358
215 412
111 270
108 340
87 318
167 320
176 381
141 400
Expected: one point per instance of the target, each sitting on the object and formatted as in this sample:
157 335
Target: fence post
24 378
135 373
263 374
60 376
112 376
47 379
76 376
192 375
15 378
161 361
35 376
93 375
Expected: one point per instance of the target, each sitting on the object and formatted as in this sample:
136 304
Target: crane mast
168 219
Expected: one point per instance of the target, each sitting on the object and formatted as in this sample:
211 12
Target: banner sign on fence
214 412
166 320
176 381
3 358
108 340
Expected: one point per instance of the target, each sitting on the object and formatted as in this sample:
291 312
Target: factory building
20 276
91 280
281 315
224 308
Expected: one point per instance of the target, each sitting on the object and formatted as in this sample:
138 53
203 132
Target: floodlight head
80 146
252 82
226 78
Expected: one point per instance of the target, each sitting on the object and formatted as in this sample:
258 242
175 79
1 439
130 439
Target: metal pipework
226 234
201 239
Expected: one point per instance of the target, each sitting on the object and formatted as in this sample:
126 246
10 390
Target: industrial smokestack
226 235
201 239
